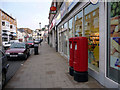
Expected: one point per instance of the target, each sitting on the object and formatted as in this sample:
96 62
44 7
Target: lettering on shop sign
117 63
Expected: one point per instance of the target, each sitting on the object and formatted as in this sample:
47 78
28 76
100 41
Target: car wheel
28 54
3 78
25 57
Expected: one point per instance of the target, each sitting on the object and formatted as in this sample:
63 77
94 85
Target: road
14 65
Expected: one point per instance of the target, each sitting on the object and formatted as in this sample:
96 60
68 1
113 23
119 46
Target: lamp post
40 29
40 24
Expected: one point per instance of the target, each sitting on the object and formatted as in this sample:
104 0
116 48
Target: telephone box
71 48
81 59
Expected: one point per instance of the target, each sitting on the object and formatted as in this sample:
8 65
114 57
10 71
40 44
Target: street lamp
40 29
40 24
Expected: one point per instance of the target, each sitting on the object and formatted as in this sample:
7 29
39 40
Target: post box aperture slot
70 45
75 46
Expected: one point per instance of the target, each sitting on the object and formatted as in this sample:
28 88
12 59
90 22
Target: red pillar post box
71 48
80 63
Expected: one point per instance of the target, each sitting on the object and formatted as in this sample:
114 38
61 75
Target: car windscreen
17 45
11 42
29 41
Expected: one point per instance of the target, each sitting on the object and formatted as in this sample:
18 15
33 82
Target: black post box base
81 76
36 53
71 71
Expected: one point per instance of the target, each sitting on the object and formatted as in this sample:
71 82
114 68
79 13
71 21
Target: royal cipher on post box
80 63
71 48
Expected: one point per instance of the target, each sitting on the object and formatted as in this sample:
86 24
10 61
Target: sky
29 13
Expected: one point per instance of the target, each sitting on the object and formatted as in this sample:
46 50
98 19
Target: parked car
5 65
18 50
30 43
6 45
14 40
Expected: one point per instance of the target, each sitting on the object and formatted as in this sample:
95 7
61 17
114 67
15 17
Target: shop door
59 42
62 42
65 42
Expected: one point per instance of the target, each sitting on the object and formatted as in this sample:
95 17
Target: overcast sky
28 14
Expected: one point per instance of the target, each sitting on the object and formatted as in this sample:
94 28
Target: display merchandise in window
114 41
115 35
71 28
78 24
91 28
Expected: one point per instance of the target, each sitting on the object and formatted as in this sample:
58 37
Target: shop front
113 40
63 40
101 26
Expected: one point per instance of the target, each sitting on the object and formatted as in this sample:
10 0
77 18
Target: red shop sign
53 8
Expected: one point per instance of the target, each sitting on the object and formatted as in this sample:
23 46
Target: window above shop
3 23
11 26
78 24
4 30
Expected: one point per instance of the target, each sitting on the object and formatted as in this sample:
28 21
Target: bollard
36 49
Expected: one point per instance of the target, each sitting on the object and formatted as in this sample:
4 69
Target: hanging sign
53 8
94 1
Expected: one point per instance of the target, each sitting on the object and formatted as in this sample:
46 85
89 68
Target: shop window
4 39
4 34
11 26
60 39
71 28
4 30
3 23
78 24
91 28
113 67
65 39
65 25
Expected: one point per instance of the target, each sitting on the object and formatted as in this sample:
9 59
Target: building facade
37 34
8 27
25 34
21 35
100 24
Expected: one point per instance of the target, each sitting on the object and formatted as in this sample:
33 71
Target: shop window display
114 41
70 33
91 28
71 28
65 38
65 42
78 24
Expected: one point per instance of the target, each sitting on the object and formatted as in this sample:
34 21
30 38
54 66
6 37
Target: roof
21 30
7 14
26 30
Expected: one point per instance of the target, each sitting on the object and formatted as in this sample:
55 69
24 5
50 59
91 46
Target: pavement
47 70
